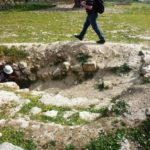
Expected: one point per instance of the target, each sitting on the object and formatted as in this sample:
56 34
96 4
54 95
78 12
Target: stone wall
81 60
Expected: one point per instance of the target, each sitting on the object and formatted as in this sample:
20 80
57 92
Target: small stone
68 114
36 66
108 85
26 71
89 66
2 122
88 116
125 145
76 68
32 77
146 70
45 75
15 66
22 65
35 110
57 73
66 66
147 59
23 123
52 113
36 126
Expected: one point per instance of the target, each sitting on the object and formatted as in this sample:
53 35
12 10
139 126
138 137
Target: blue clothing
91 20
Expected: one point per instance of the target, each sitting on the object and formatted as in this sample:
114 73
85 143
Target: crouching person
6 74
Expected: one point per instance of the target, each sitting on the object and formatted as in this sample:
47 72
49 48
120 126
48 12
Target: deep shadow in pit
23 84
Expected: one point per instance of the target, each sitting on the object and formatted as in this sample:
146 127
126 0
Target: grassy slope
49 26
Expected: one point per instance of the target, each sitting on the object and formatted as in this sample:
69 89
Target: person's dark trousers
91 20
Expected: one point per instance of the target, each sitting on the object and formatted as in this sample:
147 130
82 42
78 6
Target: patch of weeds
49 144
34 102
141 135
73 120
103 111
123 69
82 58
16 137
12 53
118 123
119 107
70 147
146 80
122 123
115 98
104 142
100 85
111 141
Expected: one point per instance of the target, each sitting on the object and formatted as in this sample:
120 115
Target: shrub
82 57
120 107
123 69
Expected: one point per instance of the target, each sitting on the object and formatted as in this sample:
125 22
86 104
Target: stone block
66 66
89 66
76 68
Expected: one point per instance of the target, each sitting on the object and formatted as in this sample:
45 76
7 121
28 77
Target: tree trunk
77 3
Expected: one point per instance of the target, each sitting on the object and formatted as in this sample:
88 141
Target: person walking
91 18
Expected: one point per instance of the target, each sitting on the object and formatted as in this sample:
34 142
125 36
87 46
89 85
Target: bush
123 69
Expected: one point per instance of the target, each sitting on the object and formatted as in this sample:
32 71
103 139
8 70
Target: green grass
16 137
50 26
73 120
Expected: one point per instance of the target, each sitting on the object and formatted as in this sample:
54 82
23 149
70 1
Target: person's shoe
78 37
101 41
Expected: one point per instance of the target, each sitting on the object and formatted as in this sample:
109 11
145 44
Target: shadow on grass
28 7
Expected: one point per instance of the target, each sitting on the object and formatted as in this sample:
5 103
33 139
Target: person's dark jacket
3 77
90 3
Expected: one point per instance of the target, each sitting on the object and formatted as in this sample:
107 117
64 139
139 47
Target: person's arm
83 4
